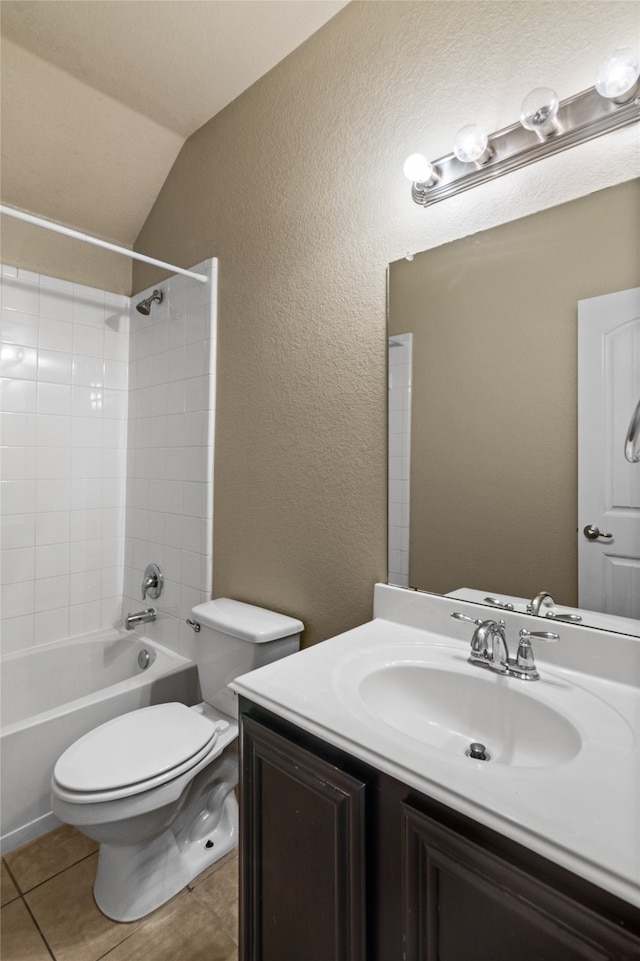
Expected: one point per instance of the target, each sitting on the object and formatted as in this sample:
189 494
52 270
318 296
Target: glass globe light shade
539 110
472 145
419 170
617 76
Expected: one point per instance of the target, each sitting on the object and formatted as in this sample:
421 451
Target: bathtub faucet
142 617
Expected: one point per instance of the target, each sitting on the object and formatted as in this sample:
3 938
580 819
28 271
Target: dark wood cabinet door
464 903
302 853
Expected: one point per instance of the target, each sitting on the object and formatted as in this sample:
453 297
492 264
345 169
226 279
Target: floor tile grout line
190 886
188 890
135 926
115 947
184 892
11 875
230 931
104 957
53 876
22 895
144 921
38 928
222 925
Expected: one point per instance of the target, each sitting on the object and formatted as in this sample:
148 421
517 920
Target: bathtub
52 694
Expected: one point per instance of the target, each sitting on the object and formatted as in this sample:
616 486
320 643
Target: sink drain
477 751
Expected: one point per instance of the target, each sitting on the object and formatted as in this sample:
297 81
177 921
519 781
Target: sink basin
426 697
450 709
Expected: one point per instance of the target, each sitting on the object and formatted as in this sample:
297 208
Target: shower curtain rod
88 239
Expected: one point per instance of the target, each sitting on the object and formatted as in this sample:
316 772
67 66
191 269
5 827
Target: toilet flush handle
193 624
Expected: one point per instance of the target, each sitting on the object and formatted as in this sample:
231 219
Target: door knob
592 533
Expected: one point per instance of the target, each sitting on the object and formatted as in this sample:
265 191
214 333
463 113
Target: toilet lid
136 747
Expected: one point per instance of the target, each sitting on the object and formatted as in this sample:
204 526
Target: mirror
491 411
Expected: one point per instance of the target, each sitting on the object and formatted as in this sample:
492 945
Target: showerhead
144 307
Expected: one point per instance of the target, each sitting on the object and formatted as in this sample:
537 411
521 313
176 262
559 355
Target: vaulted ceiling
98 96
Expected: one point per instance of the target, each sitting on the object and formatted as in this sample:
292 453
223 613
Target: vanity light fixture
417 168
471 145
539 112
547 125
617 76
422 174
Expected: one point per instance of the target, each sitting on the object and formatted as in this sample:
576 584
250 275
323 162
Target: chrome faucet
533 607
544 597
488 644
142 617
489 648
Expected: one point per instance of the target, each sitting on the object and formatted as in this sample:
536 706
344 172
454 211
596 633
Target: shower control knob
152 582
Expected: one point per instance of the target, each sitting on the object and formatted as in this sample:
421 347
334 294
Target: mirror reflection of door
608 484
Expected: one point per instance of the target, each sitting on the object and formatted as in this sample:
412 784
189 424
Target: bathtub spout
142 617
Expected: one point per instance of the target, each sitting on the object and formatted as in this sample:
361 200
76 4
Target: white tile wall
170 452
400 364
63 406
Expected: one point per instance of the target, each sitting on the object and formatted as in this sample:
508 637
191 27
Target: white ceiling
98 96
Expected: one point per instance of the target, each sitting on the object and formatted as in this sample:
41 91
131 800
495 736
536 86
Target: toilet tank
235 638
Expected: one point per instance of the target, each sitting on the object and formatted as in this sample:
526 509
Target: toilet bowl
155 787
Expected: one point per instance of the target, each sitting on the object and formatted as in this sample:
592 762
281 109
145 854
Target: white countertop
583 814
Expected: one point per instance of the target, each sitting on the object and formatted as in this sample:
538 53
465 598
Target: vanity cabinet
340 862
303 853
463 902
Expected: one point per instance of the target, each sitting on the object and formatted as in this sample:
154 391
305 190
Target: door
608 483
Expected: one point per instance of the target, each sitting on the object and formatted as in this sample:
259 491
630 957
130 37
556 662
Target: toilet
155 787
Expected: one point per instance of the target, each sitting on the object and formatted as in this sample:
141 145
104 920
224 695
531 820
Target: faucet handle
496 602
572 618
465 617
547 636
525 666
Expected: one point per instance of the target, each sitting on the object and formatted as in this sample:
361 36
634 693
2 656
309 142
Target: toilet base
133 880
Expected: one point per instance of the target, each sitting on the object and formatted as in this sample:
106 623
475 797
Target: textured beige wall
494 391
34 248
297 188
97 99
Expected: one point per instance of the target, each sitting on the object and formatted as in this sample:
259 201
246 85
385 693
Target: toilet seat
136 752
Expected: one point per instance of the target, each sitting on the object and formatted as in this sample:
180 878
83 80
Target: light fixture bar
580 118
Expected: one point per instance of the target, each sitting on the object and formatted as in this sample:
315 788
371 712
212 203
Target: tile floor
48 911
